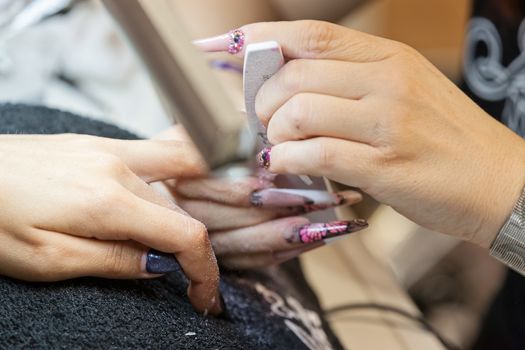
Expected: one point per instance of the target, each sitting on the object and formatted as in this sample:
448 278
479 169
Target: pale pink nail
232 42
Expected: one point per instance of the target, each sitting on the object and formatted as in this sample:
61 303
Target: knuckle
260 107
299 111
199 235
400 89
386 156
116 260
292 76
102 200
406 50
46 260
394 125
83 142
318 37
400 70
325 156
112 165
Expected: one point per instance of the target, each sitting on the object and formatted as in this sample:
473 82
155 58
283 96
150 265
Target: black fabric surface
270 309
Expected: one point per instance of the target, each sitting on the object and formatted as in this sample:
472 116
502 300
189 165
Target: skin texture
374 114
73 205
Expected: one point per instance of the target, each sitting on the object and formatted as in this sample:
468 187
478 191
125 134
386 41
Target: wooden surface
346 274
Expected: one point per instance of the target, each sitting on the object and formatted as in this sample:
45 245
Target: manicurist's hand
74 206
374 114
253 224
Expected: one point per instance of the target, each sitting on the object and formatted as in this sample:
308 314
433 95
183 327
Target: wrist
507 186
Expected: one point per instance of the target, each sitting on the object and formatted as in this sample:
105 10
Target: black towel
272 308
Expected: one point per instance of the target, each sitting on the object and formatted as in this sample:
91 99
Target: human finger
155 160
41 255
230 191
129 217
340 79
308 115
258 260
354 164
218 216
304 39
281 234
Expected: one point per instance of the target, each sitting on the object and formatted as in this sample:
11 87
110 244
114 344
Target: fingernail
284 197
316 232
216 306
263 158
226 66
284 255
232 42
159 262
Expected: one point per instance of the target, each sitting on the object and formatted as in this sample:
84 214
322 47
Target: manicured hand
73 205
375 114
254 224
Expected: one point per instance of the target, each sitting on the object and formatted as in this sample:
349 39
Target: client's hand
251 223
74 206
375 114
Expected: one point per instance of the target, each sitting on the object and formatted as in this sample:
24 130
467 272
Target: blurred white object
9 8
35 11
76 62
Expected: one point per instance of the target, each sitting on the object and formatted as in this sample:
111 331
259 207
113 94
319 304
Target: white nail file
261 61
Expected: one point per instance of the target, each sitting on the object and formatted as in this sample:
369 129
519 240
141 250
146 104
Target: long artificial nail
263 158
316 232
282 197
159 262
232 42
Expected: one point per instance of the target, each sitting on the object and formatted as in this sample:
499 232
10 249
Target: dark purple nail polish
316 232
263 158
159 262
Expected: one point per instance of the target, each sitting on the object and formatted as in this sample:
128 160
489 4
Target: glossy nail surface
317 232
159 262
232 42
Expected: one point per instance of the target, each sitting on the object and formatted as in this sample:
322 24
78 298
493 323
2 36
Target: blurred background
70 55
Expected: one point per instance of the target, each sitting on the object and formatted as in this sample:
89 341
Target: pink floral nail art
316 232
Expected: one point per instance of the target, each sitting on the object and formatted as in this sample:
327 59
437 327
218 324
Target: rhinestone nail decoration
236 41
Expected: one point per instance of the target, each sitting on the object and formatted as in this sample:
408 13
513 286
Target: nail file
261 61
